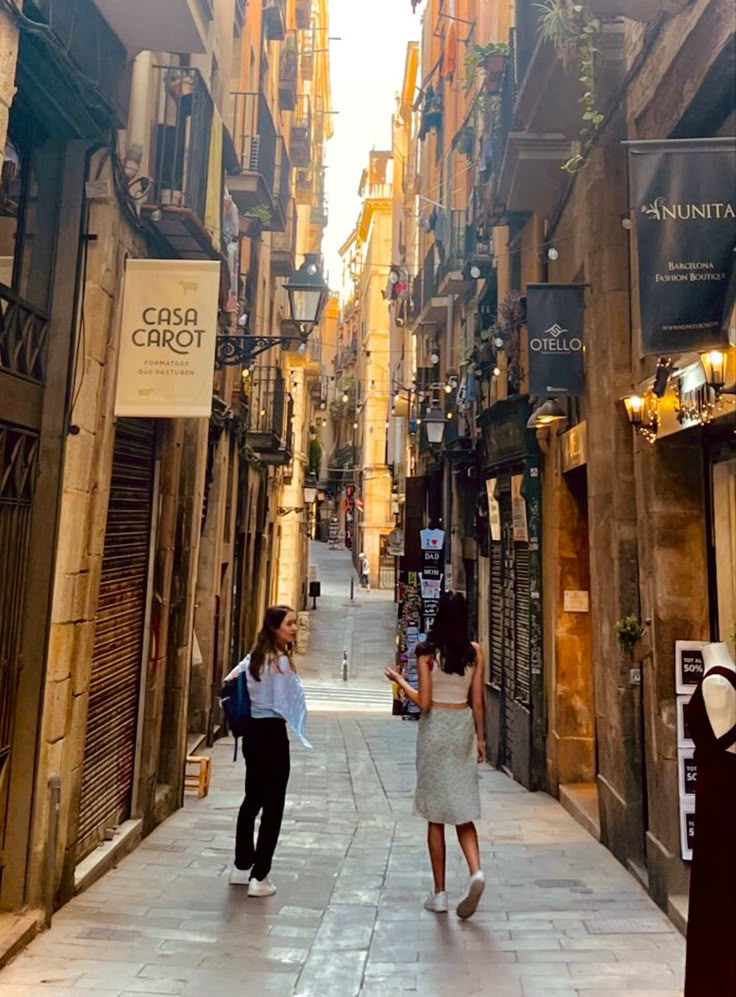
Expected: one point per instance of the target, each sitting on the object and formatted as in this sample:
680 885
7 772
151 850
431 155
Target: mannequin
711 717
718 693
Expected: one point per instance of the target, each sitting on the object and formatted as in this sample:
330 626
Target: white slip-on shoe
261 888
469 903
239 877
436 902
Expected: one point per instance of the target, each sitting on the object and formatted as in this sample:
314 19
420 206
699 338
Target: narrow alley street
560 915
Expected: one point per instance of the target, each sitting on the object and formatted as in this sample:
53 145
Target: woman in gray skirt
450 744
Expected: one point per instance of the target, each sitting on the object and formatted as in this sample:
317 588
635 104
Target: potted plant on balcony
255 220
492 59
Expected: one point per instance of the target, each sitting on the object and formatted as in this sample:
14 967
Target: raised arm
478 701
423 696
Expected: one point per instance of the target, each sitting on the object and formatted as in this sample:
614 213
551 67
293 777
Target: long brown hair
266 646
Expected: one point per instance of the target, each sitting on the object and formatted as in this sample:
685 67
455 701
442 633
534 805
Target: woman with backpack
276 697
450 744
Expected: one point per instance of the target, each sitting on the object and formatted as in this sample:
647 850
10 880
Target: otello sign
167 338
684 213
555 325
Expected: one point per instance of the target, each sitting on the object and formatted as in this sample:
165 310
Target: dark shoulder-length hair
449 634
266 646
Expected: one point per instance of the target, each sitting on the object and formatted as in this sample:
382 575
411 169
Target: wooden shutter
109 752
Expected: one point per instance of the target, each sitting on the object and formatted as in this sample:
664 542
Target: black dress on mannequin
711 929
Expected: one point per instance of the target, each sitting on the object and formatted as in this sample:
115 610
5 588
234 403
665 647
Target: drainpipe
138 115
54 789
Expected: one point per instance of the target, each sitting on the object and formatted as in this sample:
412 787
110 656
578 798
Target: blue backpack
235 701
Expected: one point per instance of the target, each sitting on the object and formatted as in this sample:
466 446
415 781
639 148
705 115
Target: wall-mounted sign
395 543
555 323
518 510
688 772
167 338
494 510
574 447
577 602
684 214
689 665
684 737
687 829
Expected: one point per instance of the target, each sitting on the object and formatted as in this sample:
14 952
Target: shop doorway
119 647
723 540
572 712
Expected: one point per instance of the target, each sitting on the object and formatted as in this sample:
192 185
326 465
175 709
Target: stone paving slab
560 916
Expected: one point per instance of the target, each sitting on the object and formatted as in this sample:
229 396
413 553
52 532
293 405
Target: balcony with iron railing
300 134
176 202
262 187
274 20
303 12
269 429
453 254
283 245
288 72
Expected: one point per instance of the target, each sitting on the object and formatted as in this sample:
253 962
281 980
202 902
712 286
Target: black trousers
267 767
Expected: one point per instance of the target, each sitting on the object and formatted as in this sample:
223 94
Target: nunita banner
555 323
167 338
684 213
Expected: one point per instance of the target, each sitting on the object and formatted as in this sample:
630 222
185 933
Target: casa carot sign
167 338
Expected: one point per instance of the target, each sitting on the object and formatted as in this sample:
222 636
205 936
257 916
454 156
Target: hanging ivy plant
572 27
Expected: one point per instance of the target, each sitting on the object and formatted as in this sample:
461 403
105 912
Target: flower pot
494 67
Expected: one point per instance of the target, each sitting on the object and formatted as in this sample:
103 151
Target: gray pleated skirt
447 767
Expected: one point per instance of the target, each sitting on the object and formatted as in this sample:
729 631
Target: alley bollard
352 589
344 666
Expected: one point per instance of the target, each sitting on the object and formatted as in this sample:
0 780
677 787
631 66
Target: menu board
689 670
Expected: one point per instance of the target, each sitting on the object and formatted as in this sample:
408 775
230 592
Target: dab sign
167 338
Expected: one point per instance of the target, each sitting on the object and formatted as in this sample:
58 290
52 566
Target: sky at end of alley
367 72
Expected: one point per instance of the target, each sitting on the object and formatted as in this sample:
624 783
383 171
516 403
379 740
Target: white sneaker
469 903
436 902
261 888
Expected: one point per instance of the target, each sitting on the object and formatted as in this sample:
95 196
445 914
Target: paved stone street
560 916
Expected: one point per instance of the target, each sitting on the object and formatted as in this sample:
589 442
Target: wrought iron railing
23 337
429 275
288 72
505 114
255 136
182 143
267 402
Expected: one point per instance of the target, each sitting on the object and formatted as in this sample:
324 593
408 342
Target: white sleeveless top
451 689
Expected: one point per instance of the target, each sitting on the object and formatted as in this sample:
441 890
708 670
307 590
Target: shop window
724 540
29 199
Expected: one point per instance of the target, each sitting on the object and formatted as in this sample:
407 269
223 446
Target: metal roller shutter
509 628
109 753
522 685
496 669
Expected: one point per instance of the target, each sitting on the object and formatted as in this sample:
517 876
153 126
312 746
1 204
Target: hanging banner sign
684 213
555 324
167 338
494 510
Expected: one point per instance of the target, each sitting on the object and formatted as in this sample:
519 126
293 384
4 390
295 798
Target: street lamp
434 423
547 414
310 489
308 293
714 364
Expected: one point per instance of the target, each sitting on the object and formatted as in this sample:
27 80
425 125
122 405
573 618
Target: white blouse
278 694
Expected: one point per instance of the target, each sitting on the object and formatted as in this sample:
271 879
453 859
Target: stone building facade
560 531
